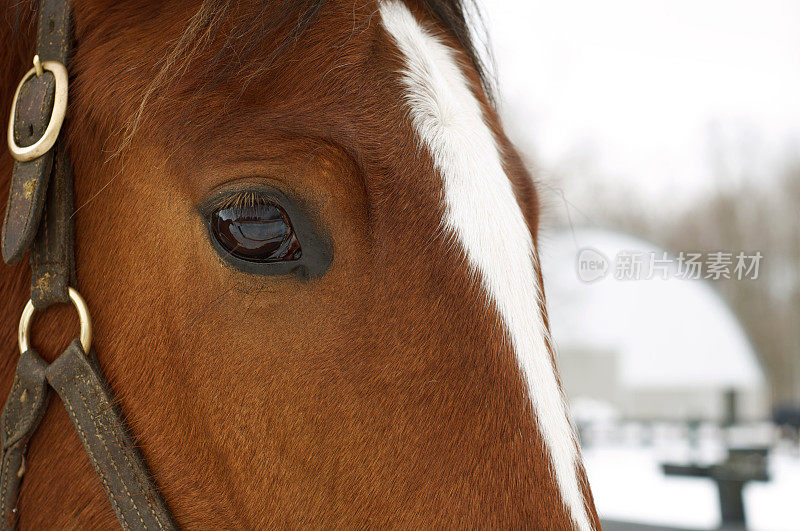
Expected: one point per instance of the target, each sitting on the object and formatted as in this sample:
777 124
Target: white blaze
482 211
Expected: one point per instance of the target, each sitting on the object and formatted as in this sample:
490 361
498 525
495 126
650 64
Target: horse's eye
258 232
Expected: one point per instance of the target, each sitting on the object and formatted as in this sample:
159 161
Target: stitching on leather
141 487
14 388
35 394
3 498
91 454
7 452
8 212
109 454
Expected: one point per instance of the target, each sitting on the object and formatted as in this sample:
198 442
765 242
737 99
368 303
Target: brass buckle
83 315
43 145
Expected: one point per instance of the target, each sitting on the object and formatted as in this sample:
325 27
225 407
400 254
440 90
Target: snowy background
666 125
637 89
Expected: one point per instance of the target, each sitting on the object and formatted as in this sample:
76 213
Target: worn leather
30 179
122 470
24 409
39 213
52 256
79 382
54 31
35 105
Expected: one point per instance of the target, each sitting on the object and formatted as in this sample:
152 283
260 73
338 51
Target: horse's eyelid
238 198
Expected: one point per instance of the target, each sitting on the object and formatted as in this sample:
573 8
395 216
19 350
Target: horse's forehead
219 40
228 62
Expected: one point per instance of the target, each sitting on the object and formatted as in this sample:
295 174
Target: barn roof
667 333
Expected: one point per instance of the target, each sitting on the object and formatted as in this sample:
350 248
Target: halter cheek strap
39 217
33 108
79 382
77 379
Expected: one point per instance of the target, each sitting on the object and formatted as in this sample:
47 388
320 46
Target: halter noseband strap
39 217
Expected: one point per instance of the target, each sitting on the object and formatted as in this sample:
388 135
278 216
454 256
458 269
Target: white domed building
645 344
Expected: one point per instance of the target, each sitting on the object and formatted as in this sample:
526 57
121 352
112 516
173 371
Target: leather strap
34 107
79 382
30 179
122 470
39 213
54 33
53 256
24 409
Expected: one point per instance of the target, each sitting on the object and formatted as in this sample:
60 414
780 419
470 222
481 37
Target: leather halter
39 218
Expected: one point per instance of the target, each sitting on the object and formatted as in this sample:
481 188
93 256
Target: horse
310 255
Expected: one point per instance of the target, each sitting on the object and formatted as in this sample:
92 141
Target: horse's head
310 255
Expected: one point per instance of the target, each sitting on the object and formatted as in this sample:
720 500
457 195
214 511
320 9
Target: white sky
635 90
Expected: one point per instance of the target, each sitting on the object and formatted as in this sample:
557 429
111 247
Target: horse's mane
452 15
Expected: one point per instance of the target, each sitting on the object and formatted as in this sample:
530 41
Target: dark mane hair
452 15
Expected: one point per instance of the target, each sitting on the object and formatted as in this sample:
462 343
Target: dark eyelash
245 198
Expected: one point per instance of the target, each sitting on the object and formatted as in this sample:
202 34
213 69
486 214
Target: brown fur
380 394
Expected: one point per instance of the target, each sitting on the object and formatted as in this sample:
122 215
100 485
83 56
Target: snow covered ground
628 484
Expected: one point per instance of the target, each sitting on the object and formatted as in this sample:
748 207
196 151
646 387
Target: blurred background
665 138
